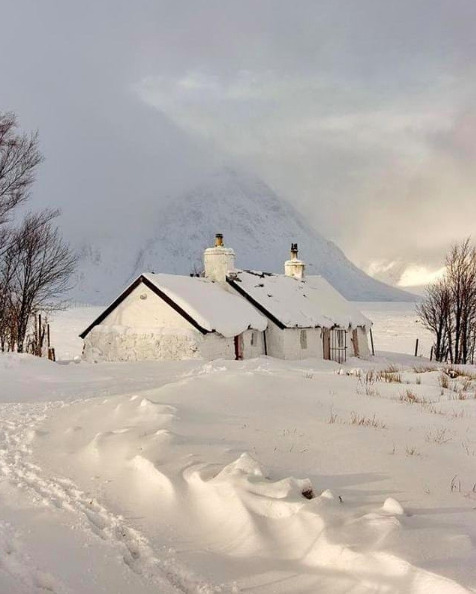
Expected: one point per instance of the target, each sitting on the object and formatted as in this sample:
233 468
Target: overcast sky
361 112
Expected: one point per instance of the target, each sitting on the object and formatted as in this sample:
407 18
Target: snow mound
209 461
392 506
234 507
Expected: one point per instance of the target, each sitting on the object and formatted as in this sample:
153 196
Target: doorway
355 342
239 347
334 344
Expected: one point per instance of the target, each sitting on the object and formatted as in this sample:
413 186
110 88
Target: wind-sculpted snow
261 476
167 464
19 572
18 437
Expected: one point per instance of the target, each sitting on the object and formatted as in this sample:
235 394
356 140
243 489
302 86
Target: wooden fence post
416 348
40 340
372 342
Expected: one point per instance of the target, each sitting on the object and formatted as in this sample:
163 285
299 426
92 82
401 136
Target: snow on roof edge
210 304
316 303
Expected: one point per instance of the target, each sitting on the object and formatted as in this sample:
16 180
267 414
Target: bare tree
435 313
7 314
41 266
35 263
19 157
461 271
449 309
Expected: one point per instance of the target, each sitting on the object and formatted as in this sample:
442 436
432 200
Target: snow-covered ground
396 327
260 476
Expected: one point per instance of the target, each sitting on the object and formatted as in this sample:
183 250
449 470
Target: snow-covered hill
256 222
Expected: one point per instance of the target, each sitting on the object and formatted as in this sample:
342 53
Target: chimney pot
218 260
294 267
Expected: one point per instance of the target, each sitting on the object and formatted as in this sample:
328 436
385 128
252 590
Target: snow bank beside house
304 303
122 343
24 378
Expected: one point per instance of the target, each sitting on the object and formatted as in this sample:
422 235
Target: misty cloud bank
361 113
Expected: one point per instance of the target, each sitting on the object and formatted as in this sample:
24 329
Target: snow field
396 327
206 462
194 477
85 513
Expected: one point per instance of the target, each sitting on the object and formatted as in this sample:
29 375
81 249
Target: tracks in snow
18 425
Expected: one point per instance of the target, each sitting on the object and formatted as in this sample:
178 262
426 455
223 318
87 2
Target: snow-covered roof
212 306
308 303
209 306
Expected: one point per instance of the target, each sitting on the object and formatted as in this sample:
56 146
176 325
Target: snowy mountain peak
255 221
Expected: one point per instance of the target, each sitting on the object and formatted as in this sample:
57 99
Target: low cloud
360 113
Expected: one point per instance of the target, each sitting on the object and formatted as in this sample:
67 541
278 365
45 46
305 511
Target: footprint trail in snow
17 428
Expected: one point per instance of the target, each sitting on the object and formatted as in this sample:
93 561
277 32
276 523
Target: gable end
155 290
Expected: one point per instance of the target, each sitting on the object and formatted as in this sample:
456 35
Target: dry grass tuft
411 451
455 484
468 450
423 368
438 436
389 377
332 417
411 397
429 407
363 421
459 396
368 390
444 381
392 369
370 377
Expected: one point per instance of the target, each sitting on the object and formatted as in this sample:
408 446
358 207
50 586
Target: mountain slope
260 227
258 224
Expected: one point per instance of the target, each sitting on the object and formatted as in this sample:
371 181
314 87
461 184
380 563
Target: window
303 338
254 338
340 339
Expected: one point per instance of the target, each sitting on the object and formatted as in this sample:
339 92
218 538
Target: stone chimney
218 260
294 267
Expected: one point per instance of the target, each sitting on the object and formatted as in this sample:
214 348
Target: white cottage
165 316
228 313
307 317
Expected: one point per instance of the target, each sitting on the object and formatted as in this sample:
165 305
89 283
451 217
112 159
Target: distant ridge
255 221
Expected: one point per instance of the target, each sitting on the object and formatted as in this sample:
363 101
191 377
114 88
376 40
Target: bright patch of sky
361 113
417 276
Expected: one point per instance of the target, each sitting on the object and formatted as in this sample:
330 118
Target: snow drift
172 457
